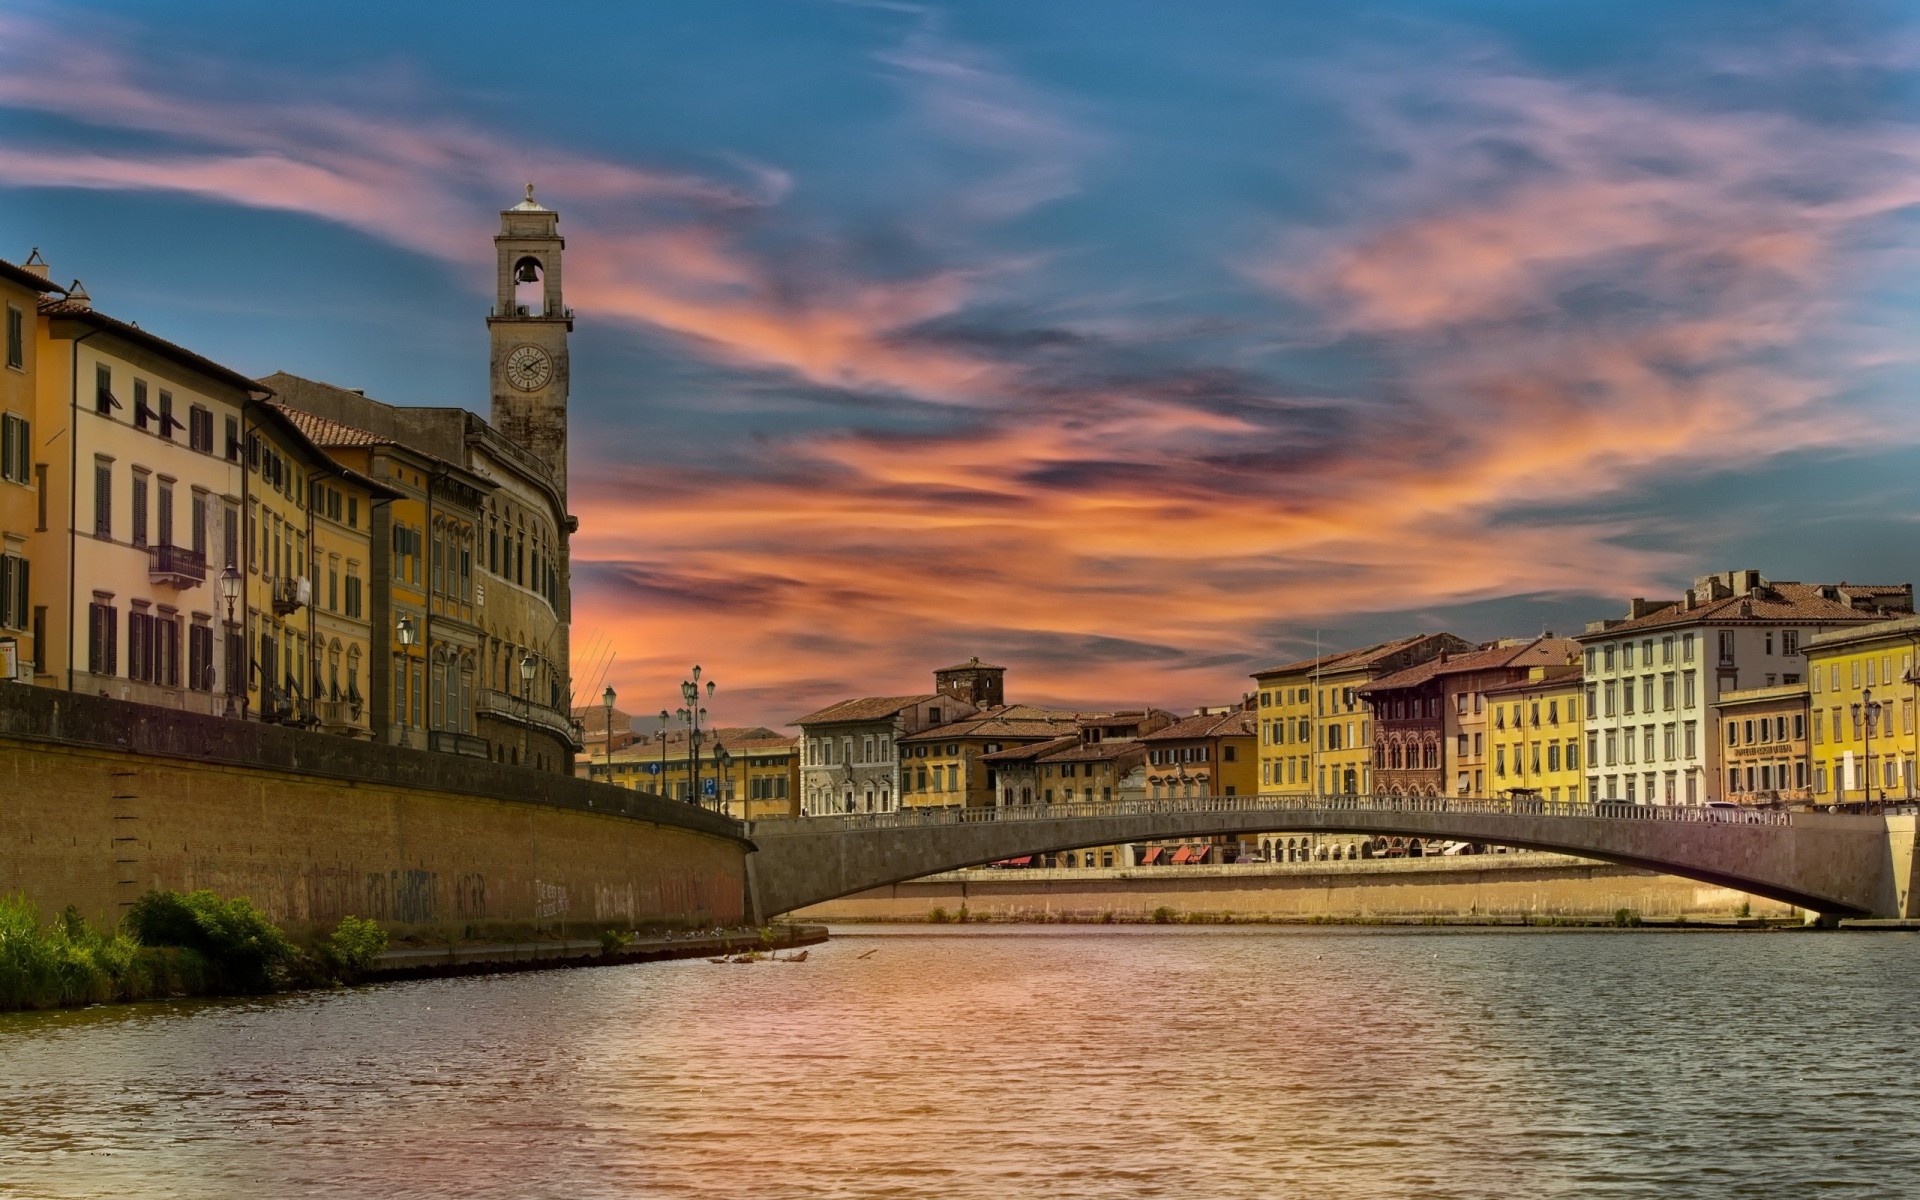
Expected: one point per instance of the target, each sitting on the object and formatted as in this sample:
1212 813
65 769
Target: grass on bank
169 944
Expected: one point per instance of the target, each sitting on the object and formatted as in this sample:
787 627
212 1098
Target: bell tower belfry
529 327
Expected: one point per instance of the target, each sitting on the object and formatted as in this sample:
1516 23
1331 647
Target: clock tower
529 327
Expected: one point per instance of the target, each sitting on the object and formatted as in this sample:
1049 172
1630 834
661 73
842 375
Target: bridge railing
1613 810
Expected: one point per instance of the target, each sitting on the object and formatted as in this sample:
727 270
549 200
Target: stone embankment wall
102 800
1495 885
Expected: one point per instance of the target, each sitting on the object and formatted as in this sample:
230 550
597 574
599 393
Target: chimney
38 265
77 295
1746 608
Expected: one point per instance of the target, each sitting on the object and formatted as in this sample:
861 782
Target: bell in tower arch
529 292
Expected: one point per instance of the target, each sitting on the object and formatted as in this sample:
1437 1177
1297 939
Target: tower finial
529 193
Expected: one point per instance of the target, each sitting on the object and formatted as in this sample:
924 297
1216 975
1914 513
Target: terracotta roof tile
324 431
1773 603
867 708
1095 752
1239 723
1538 652
1349 659
1030 752
84 311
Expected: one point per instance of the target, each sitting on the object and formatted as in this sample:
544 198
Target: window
16 337
103 631
139 508
14 611
1686 689
103 401
233 439
1666 650
163 531
141 414
16 449
167 423
200 656
103 498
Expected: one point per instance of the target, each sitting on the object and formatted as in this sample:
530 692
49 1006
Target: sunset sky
1130 345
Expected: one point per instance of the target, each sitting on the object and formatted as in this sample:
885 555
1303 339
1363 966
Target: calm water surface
993 1062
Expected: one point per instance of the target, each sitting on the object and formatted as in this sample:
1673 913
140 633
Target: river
1080 1061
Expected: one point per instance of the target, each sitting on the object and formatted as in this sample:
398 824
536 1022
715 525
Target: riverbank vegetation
169 944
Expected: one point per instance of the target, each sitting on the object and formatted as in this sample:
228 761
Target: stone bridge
1832 864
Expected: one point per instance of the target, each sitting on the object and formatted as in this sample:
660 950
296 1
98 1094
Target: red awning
1152 856
1200 854
1022 861
1180 855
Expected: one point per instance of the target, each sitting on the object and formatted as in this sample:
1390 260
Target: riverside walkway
1833 864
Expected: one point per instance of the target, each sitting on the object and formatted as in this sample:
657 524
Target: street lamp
1870 709
608 697
527 667
723 760
230 592
693 715
405 632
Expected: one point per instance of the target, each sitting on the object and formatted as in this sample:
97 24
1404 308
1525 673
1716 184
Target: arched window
529 287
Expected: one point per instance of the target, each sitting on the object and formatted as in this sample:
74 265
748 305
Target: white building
850 751
1653 677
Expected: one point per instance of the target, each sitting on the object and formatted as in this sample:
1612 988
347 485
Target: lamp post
405 632
1870 709
230 592
693 715
607 696
723 763
527 666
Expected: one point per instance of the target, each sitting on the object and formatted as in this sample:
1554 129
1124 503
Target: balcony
290 594
339 716
176 566
509 707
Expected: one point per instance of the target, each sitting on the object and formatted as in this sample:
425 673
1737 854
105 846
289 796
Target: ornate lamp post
230 592
607 697
1870 709
723 762
694 715
405 632
527 667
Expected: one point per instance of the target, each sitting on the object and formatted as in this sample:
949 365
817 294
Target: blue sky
1126 344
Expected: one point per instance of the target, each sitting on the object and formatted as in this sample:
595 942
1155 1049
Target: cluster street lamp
406 634
607 696
666 719
230 592
694 716
527 666
1870 709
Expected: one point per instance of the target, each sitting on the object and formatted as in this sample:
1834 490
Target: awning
1152 856
1180 855
1200 854
1022 861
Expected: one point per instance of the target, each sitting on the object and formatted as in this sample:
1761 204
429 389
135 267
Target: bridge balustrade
1603 810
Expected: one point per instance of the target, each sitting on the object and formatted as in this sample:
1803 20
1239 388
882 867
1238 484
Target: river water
1086 1061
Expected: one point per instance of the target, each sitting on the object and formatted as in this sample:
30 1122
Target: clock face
529 368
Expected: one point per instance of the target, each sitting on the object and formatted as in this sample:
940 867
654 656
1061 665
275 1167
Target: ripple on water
989 1062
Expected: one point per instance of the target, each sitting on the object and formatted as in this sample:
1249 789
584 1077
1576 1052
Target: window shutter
102 500
6 588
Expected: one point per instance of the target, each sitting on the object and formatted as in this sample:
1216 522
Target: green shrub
1163 915
613 941
937 917
357 943
241 949
65 962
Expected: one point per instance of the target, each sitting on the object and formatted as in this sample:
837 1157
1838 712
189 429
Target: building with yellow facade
1763 738
24 500
748 772
942 768
1534 732
1315 734
1861 693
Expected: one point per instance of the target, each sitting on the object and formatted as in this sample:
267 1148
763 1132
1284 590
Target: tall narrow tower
529 325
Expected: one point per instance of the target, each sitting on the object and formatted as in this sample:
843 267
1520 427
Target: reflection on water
993 1062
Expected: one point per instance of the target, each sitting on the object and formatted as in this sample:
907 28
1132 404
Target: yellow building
757 777
1315 735
23 496
1208 754
1534 734
941 767
1763 744
1861 690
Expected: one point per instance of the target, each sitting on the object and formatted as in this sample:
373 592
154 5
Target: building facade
1764 744
943 767
1315 735
25 500
1653 677
1535 730
850 751
1863 740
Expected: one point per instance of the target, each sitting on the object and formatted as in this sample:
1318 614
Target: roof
1573 677
1094 752
325 431
26 278
1784 691
867 708
1898 627
992 725
973 664
1238 723
1770 603
1541 651
1346 660
1032 751
83 311
283 417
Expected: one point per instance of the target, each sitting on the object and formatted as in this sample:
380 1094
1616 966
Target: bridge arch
1821 862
